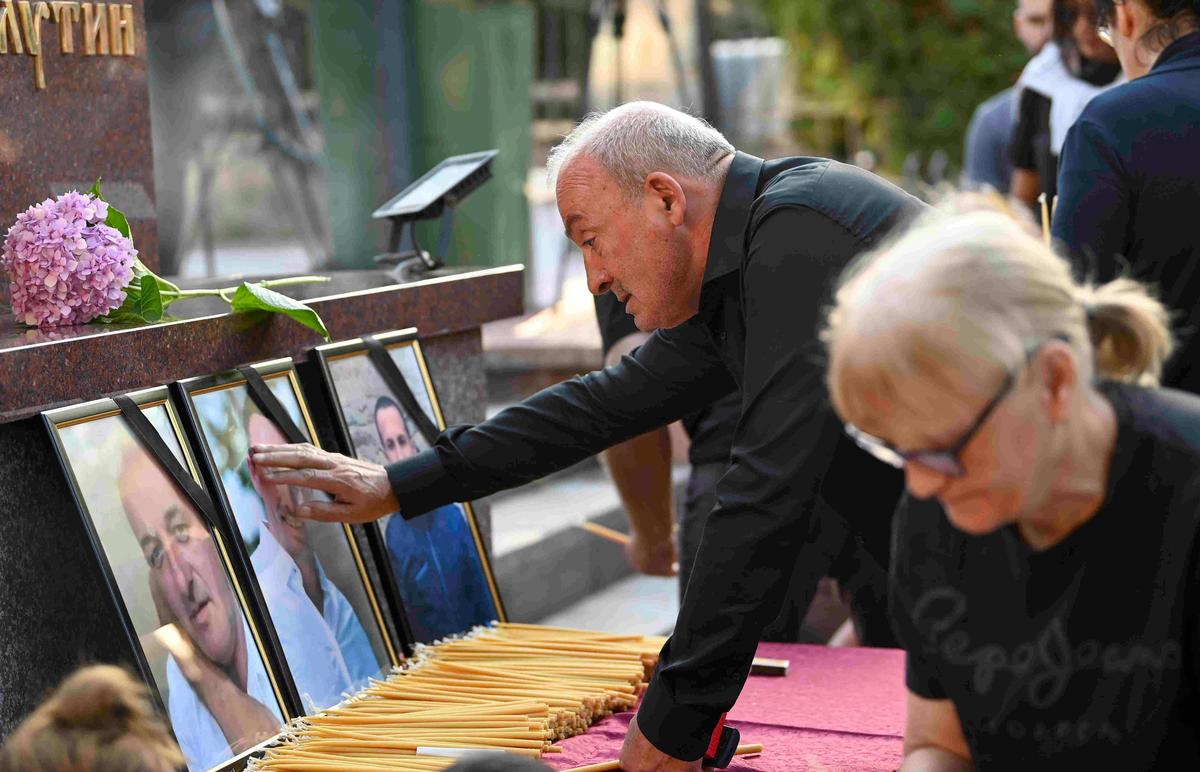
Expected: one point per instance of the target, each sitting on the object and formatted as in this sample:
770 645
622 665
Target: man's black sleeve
768 521
675 372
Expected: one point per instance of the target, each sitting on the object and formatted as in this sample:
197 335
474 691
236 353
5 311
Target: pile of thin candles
508 688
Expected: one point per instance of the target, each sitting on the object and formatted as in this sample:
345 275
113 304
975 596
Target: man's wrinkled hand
653 557
360 490
639 755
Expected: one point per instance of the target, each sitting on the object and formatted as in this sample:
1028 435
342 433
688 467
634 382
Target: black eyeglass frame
944 460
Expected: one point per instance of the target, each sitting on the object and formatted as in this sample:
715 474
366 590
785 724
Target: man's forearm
641 470
243 720
564 424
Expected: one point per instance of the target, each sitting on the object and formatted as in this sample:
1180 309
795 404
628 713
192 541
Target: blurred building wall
443 77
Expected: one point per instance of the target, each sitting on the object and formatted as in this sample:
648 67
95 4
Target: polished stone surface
40 370
55 610
92 120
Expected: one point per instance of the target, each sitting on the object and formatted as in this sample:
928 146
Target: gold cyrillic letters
65 16
108 29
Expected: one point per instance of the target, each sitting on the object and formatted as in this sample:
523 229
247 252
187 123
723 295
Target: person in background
1051 93
985 156
434 559
1129 184
99 719
1046 563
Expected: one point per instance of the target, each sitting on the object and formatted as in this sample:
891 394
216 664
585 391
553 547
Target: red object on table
837 709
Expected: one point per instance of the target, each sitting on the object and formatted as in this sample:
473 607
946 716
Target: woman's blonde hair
99 720
965 294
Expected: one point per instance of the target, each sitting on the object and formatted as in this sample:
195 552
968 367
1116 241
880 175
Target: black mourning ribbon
267 402
395 381
148 436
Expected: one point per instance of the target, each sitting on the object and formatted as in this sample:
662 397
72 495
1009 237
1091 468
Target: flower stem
223 291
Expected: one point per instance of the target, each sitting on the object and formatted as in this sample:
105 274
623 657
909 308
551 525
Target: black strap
266 401
395 381
148 436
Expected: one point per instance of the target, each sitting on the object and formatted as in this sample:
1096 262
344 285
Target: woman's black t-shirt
1084 655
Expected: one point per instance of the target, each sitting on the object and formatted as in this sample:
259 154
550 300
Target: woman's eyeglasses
1104 32
944 461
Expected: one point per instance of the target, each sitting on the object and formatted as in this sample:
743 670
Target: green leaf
120 317
252 297
116 219
140 269
128 311
150 304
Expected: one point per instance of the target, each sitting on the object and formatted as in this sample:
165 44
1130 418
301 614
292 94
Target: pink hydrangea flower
64 264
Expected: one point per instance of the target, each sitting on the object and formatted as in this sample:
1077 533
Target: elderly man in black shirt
730 259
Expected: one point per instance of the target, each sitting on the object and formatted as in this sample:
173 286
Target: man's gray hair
633 140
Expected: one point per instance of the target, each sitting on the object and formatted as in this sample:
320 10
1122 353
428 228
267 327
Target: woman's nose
921 481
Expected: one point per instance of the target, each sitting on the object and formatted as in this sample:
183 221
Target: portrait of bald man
219 697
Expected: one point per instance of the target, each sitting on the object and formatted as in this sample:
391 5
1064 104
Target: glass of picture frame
317 593
439 568
192 620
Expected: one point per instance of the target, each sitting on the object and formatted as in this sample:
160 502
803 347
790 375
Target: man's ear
1124 19
666 196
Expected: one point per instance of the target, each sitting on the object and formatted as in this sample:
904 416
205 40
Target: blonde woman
98 720
1045 570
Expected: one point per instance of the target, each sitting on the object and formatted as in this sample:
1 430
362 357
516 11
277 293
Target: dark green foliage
914 70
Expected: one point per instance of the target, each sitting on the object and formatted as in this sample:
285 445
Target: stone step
543 561
638 605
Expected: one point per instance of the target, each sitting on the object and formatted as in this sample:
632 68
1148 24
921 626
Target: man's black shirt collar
727 244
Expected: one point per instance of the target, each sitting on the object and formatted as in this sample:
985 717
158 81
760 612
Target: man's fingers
328 512
303 456
316 479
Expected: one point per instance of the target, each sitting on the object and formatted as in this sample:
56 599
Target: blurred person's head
964 352
98 720
280 501
186 573
1086 54
637 188
498 762
394 433
1140 29
1033 23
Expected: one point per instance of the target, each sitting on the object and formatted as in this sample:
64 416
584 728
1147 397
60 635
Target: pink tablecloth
837 709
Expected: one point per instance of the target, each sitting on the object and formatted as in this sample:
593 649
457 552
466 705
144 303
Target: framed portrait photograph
318 597
198 639
439 568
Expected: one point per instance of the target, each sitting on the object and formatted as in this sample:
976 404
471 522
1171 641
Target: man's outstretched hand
361 491
639 755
